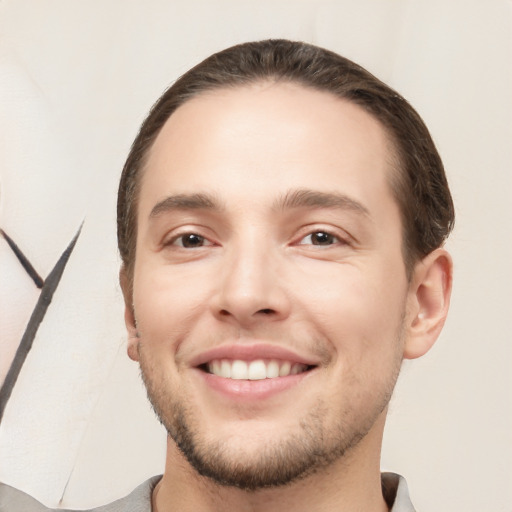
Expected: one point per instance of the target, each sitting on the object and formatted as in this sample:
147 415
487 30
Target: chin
255 459
259 456
266 450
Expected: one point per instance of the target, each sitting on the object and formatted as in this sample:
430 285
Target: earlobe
429 301
129 315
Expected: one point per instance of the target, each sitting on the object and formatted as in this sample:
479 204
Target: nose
250 288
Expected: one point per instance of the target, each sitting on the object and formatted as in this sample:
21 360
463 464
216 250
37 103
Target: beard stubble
279 462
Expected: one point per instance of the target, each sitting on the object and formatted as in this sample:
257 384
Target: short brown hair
419 183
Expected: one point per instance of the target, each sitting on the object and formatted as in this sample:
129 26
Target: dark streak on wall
48 287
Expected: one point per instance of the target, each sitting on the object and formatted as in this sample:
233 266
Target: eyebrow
305 198
300 198
185 202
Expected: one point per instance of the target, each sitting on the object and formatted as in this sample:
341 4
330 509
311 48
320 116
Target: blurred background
76 80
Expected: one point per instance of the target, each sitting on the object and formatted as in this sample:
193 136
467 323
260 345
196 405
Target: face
269 286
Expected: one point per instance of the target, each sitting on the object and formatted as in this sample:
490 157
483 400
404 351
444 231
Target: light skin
267 230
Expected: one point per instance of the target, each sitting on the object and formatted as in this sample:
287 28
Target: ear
429 300
129 315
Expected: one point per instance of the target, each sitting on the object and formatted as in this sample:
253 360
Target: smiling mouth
258 369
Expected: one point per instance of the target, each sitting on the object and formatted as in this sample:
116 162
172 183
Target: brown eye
319 238
190 241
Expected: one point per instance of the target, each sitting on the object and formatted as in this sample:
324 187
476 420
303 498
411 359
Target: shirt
394 489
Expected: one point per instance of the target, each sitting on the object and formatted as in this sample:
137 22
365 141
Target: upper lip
251 352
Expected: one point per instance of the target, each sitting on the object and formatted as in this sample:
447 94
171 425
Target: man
281 217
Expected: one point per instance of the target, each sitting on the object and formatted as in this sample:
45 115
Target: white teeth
254 370
239 370
225 369
216 367
257 370
272 369
285 369
295 369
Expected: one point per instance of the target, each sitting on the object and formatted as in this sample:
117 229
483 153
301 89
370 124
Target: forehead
248 141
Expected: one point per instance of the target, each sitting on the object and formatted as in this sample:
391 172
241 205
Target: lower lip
252 389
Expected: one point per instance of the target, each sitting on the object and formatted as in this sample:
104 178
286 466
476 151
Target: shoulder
12 499
396 493
139 500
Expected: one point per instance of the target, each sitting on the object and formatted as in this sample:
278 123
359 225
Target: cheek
167 301
357 310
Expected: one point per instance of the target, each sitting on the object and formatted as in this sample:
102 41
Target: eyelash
202 241
173 241
331 238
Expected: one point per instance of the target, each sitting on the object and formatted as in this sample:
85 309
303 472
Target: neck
351 483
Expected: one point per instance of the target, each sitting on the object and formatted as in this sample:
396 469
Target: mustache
186 344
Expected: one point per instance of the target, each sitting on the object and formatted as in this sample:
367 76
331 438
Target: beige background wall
76 79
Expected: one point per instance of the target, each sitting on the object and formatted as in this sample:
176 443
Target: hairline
394 162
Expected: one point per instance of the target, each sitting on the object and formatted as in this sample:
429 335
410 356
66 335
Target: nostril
241 314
